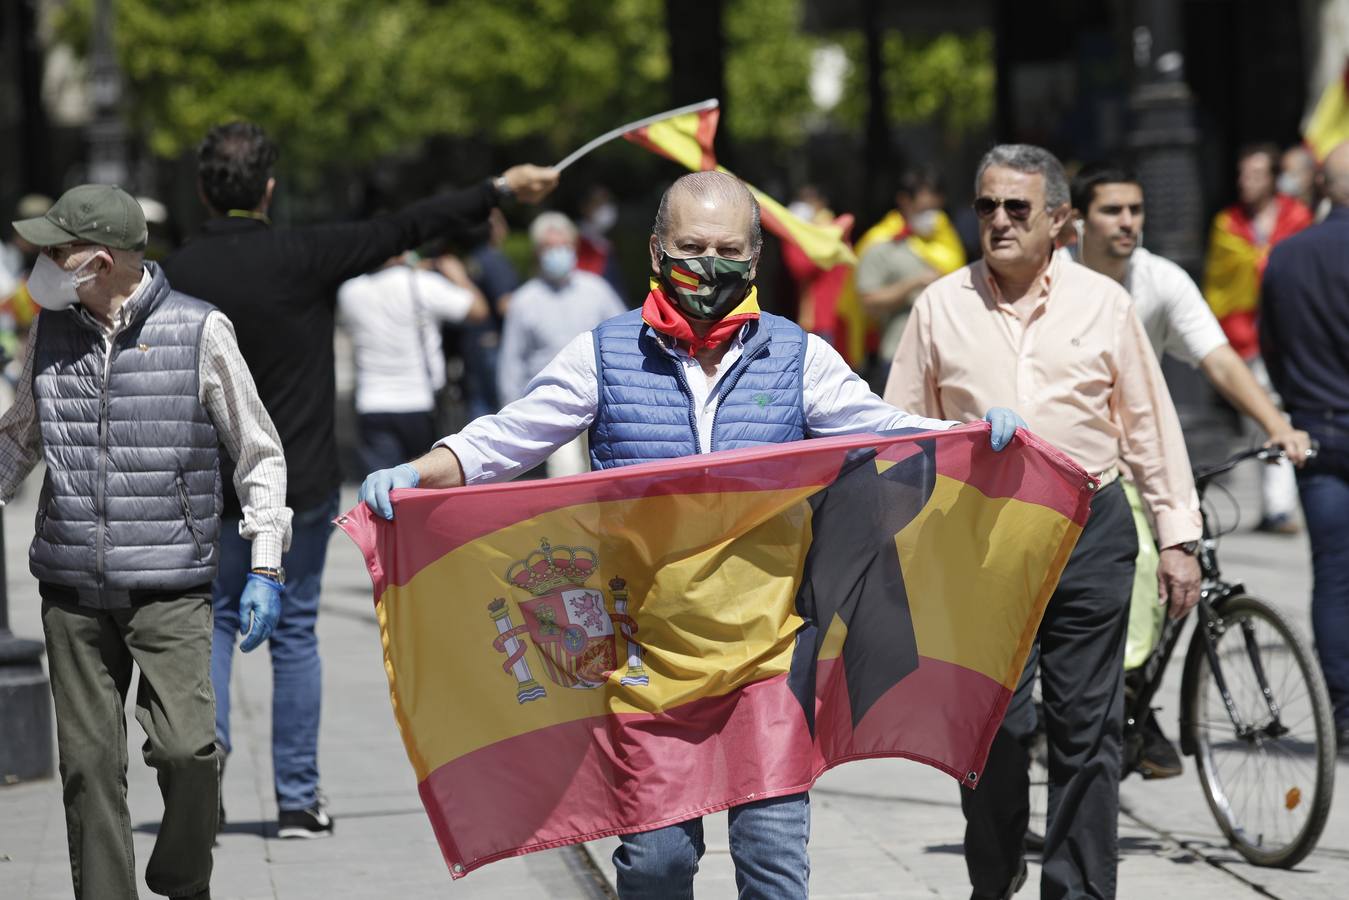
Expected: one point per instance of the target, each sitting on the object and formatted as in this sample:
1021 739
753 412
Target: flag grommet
972 777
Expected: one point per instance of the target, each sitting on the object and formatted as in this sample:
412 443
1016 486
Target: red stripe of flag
498 802
707 132
684 275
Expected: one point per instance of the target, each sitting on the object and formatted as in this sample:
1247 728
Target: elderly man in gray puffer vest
128 390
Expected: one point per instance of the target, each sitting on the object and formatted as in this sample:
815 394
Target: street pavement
881 828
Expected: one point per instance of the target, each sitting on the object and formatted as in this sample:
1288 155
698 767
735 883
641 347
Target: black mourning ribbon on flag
852 570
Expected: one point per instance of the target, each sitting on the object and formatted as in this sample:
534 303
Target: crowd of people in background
862 310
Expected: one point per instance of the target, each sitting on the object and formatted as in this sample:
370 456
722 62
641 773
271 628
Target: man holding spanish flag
698 368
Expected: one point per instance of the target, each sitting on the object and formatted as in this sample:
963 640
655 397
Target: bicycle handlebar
1206 474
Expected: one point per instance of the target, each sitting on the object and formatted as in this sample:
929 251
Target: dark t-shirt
279 288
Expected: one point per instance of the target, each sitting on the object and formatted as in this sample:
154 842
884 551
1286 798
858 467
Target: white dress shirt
562 400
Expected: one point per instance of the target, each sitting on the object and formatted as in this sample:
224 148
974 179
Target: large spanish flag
622 650
687 139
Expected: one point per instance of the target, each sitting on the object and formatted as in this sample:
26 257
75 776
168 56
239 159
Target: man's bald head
701 194
1335 174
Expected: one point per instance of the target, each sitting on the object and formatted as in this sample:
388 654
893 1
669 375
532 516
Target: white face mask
924 223
52 287
1288 183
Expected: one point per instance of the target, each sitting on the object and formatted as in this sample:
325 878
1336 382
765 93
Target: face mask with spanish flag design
705 287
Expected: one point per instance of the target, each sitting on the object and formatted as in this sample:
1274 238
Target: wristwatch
1190 547
502 188
278 574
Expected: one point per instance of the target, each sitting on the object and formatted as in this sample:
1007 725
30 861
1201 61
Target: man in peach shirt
1061 344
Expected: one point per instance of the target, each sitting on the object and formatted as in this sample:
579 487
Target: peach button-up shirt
1079 370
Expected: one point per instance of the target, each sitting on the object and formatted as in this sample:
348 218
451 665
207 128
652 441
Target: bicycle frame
1213 596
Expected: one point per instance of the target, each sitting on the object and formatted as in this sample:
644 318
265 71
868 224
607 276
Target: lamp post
1163 137
106 133
25 701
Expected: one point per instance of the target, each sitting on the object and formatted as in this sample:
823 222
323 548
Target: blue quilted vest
646 408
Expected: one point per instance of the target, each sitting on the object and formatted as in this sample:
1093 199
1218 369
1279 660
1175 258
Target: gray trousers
90 653
1079 653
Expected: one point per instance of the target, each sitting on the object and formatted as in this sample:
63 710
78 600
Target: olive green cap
101 214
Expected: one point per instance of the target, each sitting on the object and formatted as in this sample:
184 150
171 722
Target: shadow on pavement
260 829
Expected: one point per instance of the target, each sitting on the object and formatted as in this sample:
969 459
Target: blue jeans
478 344
297 674
390 439
1324 486
768 845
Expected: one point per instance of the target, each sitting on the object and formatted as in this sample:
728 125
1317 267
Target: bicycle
1254 715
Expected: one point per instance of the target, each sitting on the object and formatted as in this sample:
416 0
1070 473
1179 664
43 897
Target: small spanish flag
622 650
687 139
684 277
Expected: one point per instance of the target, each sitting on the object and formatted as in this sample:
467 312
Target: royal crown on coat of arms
570 625
549 567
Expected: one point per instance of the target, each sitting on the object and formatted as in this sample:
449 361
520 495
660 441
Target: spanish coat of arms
570 625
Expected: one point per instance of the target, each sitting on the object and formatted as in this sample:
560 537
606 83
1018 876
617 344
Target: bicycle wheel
1268 767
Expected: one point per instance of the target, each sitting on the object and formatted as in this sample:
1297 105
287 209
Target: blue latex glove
377 485
259 608
1005 423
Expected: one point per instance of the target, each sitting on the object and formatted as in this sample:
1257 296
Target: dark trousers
1079 654
1323 485
389 439
90 653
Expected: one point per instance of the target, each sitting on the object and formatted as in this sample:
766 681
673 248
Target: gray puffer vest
131 501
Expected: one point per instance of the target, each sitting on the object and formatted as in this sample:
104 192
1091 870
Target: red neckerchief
661 314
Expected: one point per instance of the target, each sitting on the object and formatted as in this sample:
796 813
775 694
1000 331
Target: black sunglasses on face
1016 209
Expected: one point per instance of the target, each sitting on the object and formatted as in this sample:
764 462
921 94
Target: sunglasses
1016 209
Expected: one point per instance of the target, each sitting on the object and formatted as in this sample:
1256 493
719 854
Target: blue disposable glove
377 485
1005 423
259 608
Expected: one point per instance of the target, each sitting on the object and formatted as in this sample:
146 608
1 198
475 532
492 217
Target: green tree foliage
347 81
948 78
344 82
767 71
